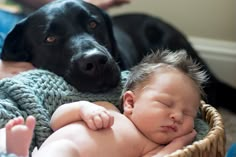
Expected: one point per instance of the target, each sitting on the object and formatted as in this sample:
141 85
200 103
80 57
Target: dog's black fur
77 41
70 38
151 33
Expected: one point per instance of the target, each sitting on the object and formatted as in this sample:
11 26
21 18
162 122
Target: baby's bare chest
122 139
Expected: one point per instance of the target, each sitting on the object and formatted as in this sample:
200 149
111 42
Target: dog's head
71 38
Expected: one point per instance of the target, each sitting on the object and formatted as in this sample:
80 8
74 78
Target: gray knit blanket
40 92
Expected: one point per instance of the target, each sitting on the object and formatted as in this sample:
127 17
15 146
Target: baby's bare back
122 139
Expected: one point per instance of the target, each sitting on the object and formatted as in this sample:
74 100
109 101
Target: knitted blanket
40 92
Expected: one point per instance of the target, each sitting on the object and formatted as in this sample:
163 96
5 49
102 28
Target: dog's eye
51 39
92 24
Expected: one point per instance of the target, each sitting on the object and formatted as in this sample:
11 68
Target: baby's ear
128 102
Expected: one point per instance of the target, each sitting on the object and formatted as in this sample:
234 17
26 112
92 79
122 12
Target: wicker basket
213 145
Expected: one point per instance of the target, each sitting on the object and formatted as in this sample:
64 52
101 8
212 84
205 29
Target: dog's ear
14 48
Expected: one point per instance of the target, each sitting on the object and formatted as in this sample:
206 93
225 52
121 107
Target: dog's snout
93 71
92 63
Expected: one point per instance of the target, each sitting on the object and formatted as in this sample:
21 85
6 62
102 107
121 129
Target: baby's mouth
170 128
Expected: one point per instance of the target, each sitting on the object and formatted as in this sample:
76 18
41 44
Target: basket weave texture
213 145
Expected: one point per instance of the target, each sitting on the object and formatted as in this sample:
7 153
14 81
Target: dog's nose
92 63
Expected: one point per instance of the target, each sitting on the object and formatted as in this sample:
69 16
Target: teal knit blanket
40 92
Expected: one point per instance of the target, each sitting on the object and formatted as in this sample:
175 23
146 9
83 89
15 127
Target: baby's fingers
91 124
101 121
193 134
107 119
95 123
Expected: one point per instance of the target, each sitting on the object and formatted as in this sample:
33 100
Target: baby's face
165 107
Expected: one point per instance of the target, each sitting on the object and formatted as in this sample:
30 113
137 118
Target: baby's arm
176 144
9 69
95 116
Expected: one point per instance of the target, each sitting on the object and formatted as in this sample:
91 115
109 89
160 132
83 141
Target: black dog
77 41
70 38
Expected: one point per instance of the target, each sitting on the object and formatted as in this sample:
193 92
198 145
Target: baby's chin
163 139
165 142
166 138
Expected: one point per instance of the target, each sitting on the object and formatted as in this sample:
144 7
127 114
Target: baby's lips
169 128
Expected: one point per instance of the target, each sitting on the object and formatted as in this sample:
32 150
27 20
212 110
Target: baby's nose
177 117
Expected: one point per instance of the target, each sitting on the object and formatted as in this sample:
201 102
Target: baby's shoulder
107 105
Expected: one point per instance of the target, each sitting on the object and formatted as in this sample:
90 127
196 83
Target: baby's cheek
189 125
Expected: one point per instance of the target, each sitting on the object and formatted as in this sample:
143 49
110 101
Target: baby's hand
186 139
96 117
175 144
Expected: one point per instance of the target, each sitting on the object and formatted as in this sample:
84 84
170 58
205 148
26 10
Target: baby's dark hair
140 73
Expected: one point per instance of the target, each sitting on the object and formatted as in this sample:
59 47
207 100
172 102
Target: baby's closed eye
189 113
166 103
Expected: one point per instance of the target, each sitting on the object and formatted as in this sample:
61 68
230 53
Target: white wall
209 24
220 56
205 18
